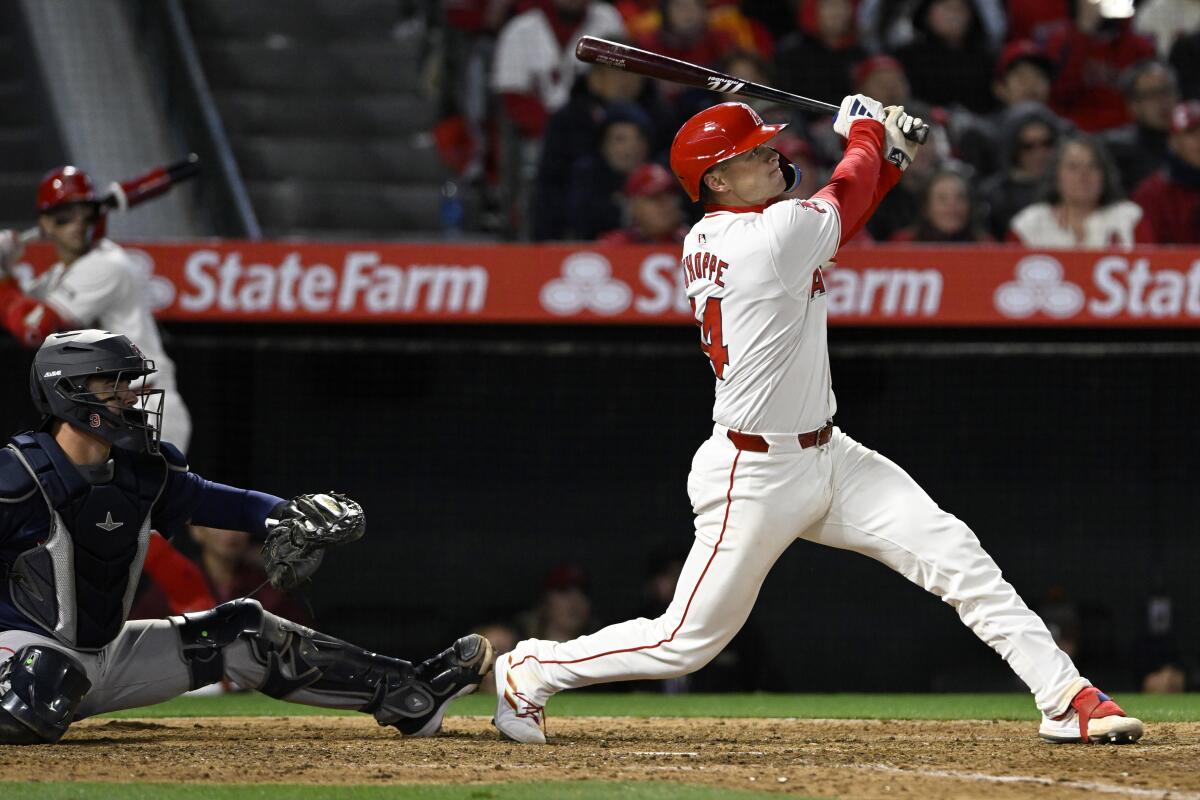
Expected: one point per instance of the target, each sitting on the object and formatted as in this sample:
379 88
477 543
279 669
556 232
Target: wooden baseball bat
127 194
632 59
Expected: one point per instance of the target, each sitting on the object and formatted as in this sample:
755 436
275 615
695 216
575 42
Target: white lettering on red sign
361 283
664 281
1139 291
884 292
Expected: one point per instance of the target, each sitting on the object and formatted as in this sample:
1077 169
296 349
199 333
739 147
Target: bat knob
918 135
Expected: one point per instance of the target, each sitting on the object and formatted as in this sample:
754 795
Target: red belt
757 444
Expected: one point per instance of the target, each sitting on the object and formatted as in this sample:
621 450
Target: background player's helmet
718 134
62 186
58 383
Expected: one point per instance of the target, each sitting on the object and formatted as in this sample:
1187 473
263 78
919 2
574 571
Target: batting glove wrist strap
898 149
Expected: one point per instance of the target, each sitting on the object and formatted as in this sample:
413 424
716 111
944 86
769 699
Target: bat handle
918 135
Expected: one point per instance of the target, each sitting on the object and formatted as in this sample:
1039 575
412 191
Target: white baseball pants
749 508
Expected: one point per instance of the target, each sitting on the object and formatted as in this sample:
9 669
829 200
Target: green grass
1152 708
582 790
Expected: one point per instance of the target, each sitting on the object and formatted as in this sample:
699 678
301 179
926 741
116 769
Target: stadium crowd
1057 123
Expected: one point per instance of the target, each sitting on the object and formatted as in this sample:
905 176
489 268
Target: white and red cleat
1092 718
517 718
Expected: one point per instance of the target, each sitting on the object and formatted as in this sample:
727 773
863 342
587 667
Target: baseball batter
775 467
94 282
77 500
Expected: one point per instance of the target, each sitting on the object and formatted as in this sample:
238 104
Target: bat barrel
632 59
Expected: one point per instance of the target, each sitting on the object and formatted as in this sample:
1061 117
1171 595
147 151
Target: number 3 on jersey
712 340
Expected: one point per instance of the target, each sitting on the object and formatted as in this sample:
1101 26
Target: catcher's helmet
718 134
62 186
58 383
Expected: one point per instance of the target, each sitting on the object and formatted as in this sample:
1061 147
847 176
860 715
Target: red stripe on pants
724 525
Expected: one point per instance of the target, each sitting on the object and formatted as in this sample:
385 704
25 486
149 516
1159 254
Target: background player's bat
127 194
643 62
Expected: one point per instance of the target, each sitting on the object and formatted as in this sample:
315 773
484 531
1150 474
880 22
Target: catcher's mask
61 389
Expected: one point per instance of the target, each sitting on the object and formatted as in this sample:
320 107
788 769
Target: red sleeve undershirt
861 178
16 315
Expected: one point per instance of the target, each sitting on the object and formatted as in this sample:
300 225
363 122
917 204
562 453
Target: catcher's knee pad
204 636
298 658
40 688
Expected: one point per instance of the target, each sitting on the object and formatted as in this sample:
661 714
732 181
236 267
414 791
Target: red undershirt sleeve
858 182
29 320
889 176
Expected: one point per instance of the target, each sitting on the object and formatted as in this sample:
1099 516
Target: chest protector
78 582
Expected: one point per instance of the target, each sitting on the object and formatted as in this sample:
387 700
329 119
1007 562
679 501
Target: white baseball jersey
1109 226
755 281
530 60
106 289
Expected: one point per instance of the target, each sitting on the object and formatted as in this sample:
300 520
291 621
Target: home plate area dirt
825 758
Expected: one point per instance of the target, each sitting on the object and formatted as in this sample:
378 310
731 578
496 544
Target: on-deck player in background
77 500
776 468
94 283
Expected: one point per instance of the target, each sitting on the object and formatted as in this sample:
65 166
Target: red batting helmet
714 135
64 185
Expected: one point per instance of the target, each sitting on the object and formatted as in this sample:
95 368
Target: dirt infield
839 758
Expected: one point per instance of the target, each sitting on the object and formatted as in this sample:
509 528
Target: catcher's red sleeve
29 320
180 579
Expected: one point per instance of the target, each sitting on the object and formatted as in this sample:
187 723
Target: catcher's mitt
299 530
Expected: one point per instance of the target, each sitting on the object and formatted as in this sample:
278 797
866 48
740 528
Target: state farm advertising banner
896 285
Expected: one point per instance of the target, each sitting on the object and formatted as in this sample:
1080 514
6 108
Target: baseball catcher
78 498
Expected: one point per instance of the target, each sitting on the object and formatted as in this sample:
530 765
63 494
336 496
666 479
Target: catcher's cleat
517 718
1093 717
454 672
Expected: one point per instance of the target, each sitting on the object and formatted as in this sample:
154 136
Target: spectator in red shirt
1037 19
655 217
1089 57
1170 199
947 212
1023 74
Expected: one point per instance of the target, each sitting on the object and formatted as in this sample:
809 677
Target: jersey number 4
712 340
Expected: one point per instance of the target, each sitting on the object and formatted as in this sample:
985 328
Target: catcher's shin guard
307 666
40 689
